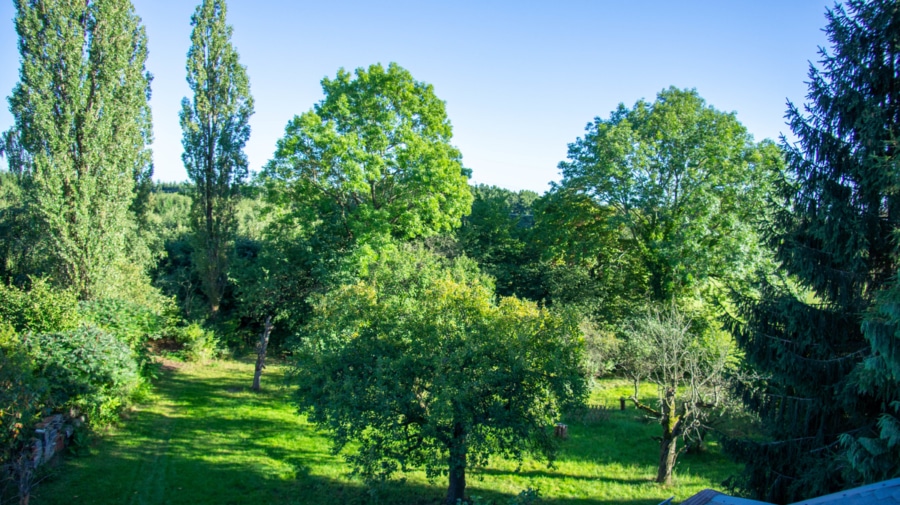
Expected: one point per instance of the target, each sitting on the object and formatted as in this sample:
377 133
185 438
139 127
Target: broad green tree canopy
497 234
420 368
681 180
374 157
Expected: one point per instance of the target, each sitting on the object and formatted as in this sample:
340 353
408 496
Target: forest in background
433 324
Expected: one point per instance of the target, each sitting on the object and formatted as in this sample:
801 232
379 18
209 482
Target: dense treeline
435 324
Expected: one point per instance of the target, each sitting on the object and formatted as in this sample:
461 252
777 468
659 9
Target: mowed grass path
205 438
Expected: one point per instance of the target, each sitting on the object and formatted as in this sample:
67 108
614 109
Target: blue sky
521 79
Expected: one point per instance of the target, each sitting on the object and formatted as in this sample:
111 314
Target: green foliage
372 158
40 309
371 162
674 183
176 276
198 344
602 348
589 265
874 455
263 449
215 127
634 358
497 234
825 337
251 214
21 394
82 123
418 367
168 220
18 257
274 277
678 356
87 369
131 323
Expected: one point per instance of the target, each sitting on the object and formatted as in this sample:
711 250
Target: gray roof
710 497
882 493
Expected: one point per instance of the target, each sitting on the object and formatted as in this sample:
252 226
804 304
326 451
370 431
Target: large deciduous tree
82 125
416 366
831 404
215 126
675 182
373 158
658 205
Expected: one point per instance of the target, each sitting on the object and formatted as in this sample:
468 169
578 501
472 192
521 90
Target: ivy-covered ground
204 438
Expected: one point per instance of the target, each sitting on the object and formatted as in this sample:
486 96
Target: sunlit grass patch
205 438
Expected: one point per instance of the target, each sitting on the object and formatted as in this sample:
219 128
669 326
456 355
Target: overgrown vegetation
431 324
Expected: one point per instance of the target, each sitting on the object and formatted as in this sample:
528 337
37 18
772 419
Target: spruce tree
827 390
215 128
79 141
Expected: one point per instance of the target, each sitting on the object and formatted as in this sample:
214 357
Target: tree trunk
667 453
261 352
673 425
23 473
213 289
456 491
668 445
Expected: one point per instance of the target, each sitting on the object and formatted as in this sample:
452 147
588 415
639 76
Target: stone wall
50 437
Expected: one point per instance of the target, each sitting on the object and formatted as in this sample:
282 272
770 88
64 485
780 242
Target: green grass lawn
204 438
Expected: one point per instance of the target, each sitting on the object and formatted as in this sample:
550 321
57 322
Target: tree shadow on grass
623 439
207 440
559 475
629 439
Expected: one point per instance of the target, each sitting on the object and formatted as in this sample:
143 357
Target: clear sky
520 78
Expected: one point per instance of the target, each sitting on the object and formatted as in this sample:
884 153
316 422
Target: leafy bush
132 323
21 393
87 369
197 343
40 309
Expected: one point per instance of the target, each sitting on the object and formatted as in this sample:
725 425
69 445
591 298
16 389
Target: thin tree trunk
24 475
667 453
261 352
213 274
668 445
456 491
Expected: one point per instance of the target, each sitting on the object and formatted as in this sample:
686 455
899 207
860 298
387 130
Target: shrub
197 343
132 323
87 369
22 395
40 309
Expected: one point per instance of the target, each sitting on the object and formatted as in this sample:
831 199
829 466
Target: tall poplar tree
830 392
79 142
215 128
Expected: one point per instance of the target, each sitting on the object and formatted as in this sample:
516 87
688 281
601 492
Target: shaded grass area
204 437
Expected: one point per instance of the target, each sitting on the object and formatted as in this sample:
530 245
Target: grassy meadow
204 438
